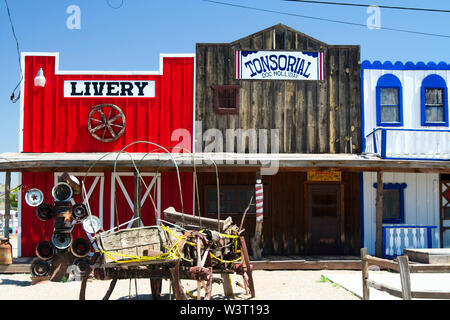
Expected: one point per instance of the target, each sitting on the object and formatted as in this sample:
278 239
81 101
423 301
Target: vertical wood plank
210 121
227 287
365 274
405 278
333 96
322 118
355 101
288 116
311 117
343 108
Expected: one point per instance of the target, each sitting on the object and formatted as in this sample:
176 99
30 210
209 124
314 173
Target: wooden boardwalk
22 265
19 265
307 263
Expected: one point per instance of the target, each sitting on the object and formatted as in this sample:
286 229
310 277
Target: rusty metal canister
5 251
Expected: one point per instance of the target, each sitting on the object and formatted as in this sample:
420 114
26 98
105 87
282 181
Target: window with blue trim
393 202
434 104
389 101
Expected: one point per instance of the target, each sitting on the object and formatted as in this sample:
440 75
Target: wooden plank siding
312 116
285 228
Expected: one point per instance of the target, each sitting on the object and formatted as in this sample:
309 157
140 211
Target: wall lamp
39 81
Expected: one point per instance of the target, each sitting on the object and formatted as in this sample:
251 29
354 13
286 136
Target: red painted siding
54 123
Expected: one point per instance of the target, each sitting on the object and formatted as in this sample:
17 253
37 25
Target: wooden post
365 273
227 286
7 203
137 200
405 277
256 241
379 216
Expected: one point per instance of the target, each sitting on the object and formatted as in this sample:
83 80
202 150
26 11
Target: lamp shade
39 81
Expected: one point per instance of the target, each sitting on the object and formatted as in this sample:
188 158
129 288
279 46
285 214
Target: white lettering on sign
279 65
114 88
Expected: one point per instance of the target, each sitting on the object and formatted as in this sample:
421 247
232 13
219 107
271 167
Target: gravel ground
269 285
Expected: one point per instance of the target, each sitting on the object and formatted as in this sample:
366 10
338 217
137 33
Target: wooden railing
398 237
412 144
405 269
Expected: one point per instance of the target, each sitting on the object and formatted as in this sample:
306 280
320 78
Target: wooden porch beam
7 204
379 216
137 200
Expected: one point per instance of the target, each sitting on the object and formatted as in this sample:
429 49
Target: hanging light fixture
39 81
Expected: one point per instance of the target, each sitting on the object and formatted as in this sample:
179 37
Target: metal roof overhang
225 162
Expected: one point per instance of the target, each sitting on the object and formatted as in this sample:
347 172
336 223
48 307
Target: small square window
434 105
389 102
234 199
393 202
389 105
433 101
226 98
391 205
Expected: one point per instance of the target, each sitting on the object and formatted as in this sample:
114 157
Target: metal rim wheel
202 266
45 250
44 211
106 122
40 268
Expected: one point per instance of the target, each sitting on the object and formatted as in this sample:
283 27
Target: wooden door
122 199
324 219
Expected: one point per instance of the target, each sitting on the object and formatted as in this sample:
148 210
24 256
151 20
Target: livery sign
104 88
278 65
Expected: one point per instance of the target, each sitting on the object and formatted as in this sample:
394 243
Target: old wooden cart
182 247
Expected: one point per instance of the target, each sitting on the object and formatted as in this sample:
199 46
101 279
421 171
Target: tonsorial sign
279 65
114 88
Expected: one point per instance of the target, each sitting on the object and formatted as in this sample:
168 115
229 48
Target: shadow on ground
238 296
19 283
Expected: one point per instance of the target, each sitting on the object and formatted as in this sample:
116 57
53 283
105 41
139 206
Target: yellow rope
173 252
224 261
133 258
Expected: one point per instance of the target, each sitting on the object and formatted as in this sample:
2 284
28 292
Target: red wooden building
97 112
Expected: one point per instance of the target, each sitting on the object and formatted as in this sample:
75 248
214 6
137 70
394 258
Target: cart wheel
106 122
201 269
247 269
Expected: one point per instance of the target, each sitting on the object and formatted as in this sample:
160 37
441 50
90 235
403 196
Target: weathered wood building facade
321 116
303 213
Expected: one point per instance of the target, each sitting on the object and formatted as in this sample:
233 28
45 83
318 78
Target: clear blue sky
132 36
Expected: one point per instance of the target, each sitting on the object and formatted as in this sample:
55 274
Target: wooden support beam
7 203
172 215
137 200
379 216
405 278
382 287
382 263
365 273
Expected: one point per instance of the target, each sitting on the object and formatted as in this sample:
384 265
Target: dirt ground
269 285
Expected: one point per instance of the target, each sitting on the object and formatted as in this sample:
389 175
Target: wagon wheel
246 269
106 122
201 269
